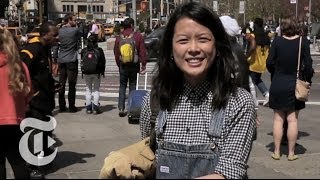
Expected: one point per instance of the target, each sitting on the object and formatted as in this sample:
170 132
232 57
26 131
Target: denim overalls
179 161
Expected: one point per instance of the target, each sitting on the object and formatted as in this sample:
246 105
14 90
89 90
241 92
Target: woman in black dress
282 64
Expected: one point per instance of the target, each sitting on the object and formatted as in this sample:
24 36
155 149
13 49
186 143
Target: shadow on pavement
284 147
300 134
67 158
107 108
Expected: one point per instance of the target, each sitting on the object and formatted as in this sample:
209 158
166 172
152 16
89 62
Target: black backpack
90 61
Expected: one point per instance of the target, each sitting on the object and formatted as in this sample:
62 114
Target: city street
84 140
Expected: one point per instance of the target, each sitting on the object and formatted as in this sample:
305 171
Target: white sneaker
266 100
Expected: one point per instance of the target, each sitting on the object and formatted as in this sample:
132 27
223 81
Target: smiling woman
193 49
205 124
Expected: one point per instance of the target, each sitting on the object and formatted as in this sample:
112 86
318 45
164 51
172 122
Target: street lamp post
150 7
310 7
19 6
297 9
134 12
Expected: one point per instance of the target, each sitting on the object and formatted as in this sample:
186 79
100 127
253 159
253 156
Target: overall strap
216 123
155 108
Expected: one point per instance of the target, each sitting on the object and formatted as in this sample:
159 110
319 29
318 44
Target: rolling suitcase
135 101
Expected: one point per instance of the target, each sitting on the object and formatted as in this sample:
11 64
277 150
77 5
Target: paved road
84 141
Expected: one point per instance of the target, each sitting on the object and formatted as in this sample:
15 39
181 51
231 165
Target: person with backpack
257 53
129 51
93 64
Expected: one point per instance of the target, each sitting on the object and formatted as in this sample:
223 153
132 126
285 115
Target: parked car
152 44
108 29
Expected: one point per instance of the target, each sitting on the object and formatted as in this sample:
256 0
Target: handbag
302 89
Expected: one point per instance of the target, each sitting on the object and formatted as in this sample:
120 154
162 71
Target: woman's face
193 49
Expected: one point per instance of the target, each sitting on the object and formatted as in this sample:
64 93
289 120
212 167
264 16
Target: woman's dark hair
92 41
289 26
168 83
258 22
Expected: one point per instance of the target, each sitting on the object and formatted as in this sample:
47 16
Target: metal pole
244 13
297 9
134 12
244 18
40 11
19 17
150 7
161 8
168 9
310 7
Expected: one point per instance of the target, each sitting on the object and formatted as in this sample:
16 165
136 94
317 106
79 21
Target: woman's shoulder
240 102
240 98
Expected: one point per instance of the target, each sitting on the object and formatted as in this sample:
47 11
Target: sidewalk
84 141
314 51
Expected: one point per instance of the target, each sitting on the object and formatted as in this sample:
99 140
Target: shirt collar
198 91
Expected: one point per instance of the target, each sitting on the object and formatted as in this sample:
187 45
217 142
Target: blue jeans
127 73
256 78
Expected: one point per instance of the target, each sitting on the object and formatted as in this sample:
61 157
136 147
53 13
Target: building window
101 8
98 9
67 8
82 8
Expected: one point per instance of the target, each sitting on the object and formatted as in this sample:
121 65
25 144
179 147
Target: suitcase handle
145 81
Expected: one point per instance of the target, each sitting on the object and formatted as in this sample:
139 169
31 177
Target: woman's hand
211 176
258 121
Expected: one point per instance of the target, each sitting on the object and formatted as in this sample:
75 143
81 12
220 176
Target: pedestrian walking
36 54
282 64
93 64
257 53
94 29
129 52
67 58
206 123
243 78
15 93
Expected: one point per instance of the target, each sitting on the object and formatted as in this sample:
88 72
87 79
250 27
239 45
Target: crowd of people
204 86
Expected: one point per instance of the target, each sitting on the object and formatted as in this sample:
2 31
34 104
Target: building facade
83 9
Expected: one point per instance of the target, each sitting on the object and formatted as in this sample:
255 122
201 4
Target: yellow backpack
128 53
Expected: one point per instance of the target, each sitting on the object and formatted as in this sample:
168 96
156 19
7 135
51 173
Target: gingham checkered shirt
189 121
